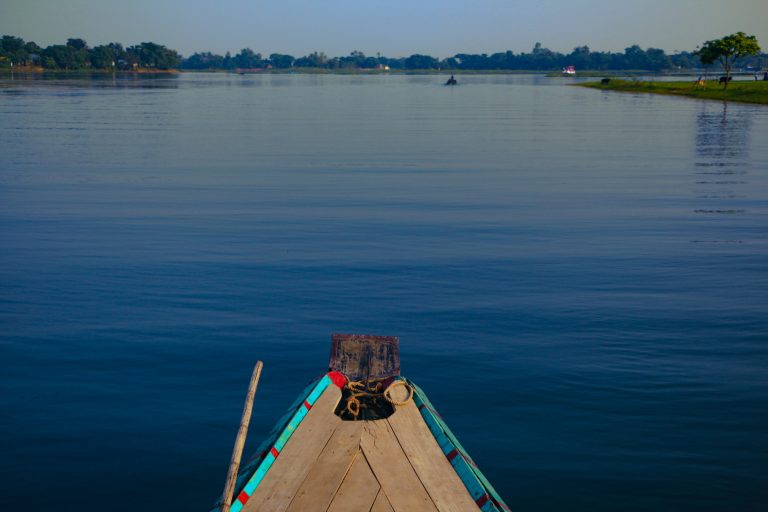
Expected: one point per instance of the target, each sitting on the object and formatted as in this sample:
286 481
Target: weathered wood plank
432 467
397 478
382 504
361 356
330 468
358 490
297 457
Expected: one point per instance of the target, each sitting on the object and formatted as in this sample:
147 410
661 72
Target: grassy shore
743 91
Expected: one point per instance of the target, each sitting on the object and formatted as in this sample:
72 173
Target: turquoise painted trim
474 480
258 476
483 480
476 483
249 481
314 395
249 467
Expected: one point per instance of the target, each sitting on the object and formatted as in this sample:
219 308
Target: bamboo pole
237 451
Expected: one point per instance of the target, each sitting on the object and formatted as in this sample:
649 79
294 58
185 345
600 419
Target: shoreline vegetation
75 55
22 70
752 91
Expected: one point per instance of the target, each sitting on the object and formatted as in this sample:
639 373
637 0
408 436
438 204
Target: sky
394 28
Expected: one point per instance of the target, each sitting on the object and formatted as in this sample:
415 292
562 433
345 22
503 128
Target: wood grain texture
330 468
432 467
397 478
292 466
362 356
358 490
382 504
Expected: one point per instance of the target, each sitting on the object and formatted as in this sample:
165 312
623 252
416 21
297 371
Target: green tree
313 60
152 55
247 59
32 47
581 57
281 61
417 61
727 49
12 50
103 57
63 57
657 59
77 44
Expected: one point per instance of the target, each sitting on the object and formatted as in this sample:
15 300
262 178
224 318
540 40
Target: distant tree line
538 59
76 54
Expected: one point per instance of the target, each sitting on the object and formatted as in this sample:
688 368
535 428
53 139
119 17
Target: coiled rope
373 390
394 385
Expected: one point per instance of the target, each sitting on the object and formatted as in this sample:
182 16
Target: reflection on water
722 141
722 165
11 83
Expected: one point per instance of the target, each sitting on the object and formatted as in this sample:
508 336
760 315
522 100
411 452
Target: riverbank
743 91
276 71
39 70
353 71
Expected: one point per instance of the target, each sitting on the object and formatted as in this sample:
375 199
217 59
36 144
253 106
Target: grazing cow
605 81
701 83
725 79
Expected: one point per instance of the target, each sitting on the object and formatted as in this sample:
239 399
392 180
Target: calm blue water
579 280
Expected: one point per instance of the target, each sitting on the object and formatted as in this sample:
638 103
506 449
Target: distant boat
569 71
451 81
362 438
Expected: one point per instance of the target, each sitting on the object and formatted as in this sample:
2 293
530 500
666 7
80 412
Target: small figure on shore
451 81
701 83
765 76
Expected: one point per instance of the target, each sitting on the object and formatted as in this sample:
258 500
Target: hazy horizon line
368 53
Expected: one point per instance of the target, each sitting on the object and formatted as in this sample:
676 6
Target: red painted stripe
242 497
274 452
482 500
452 455
338 378
307 405
502 505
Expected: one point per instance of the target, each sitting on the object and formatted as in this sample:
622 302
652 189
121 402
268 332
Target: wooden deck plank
382 504
397 478
359 489
362 356
427 458
294 462
330 468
